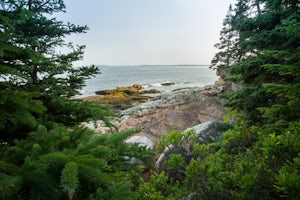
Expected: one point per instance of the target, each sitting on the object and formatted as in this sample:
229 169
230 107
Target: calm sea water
150 77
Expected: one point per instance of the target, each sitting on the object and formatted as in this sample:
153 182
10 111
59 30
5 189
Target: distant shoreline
149 75
152 65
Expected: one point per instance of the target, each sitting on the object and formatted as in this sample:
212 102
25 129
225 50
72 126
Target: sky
147 32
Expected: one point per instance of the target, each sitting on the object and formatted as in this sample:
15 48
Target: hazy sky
135 32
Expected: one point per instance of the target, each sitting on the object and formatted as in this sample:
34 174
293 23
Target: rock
119 98
151 91
191 196
208 132
175 110
134 161
100 127
141 140
167 83
103 92
130 90
205 133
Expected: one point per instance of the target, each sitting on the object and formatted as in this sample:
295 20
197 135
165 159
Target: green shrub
61 163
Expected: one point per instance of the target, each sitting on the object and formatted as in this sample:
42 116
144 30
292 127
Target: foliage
259 157
17 113
287 181
175 138
34 75
74 164
44 154
28 57
159 188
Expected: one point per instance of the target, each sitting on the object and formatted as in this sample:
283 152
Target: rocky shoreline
176 110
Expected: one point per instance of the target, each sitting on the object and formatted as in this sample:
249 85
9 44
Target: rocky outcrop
205 133
175 110
168 111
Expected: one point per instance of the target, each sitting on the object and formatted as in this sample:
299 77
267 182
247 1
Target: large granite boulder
208 132
175 110
204 133
143 141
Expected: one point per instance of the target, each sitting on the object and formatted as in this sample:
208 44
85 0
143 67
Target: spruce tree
266 37
226 46
44 153
267 130
259 158
34 74
31 39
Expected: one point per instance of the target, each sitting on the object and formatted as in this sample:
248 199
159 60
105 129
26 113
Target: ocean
150 77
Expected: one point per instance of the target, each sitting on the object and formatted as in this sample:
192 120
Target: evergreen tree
44 153
267 133
30 59
34 75
264 35
227 46
259 158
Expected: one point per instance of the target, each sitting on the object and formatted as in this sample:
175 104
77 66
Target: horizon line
157 65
